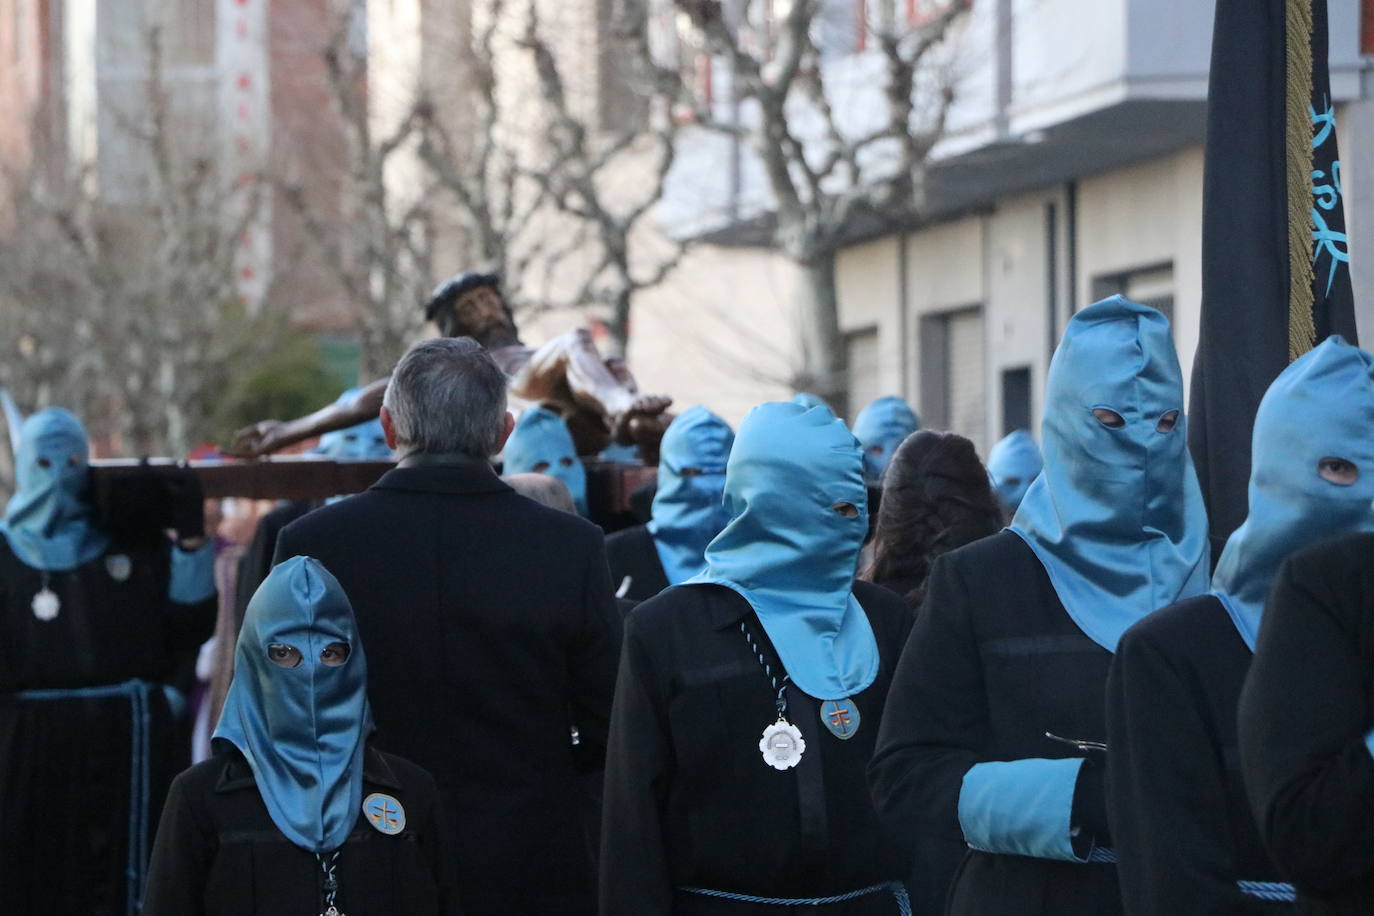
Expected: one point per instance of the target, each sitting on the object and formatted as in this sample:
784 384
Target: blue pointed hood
789 553
303 729
48 521
1321 406
880 428
541 444
688 507
1116 516
808 400
1012 464
363 442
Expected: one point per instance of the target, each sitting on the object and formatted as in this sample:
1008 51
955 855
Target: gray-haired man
490 628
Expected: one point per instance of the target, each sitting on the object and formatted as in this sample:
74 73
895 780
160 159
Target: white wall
721 331
1145 215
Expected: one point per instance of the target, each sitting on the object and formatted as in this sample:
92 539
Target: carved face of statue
479 313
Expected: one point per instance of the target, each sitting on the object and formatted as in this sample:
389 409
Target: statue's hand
648 405
256 440
643 424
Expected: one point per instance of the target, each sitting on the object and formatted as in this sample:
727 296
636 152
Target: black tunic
1180 819
1305 711
632 553
690 802
993 663
67 762
219 854
256 561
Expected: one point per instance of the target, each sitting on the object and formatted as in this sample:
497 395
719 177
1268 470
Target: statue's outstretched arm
270 435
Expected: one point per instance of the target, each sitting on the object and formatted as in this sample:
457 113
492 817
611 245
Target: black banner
1244 340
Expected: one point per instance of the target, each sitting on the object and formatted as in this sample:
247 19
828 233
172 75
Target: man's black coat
490 630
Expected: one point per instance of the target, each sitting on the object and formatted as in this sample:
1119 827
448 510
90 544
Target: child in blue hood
297 813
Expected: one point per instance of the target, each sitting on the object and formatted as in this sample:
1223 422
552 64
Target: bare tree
377 244
822 173
492 203
583 175
126 310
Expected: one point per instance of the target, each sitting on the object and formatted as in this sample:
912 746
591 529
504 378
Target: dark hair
936 497
447 395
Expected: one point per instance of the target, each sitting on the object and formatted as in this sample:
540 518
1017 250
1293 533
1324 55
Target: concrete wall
1143 216
1005 262
721 331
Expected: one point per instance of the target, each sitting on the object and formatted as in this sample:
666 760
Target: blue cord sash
1274 891
140 789
895 888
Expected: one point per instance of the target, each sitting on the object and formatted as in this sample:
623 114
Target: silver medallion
46 604
119 566
782 745
332 911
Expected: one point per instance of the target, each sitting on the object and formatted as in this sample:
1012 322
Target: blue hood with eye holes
541 437
363 442
880 428
789 553
688 510
303 729
1116 517
1321 406
1013 464
48 522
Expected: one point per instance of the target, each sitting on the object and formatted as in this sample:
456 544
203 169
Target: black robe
491 631
256 561
67 763
1305 715
993 663
690 801
1180 818
219 854
632 553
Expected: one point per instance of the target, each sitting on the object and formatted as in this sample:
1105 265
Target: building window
1152 285
1016 399
951 370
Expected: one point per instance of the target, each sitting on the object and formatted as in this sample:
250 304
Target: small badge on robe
119 566
46 604
385 813
841 717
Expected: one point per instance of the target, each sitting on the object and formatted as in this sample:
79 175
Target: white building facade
1072 170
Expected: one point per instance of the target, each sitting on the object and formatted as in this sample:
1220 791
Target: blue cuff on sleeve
1369 741
193 574
1020 807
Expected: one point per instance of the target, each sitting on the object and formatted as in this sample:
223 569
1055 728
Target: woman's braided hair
936 497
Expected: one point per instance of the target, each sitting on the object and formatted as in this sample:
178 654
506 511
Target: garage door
966 385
